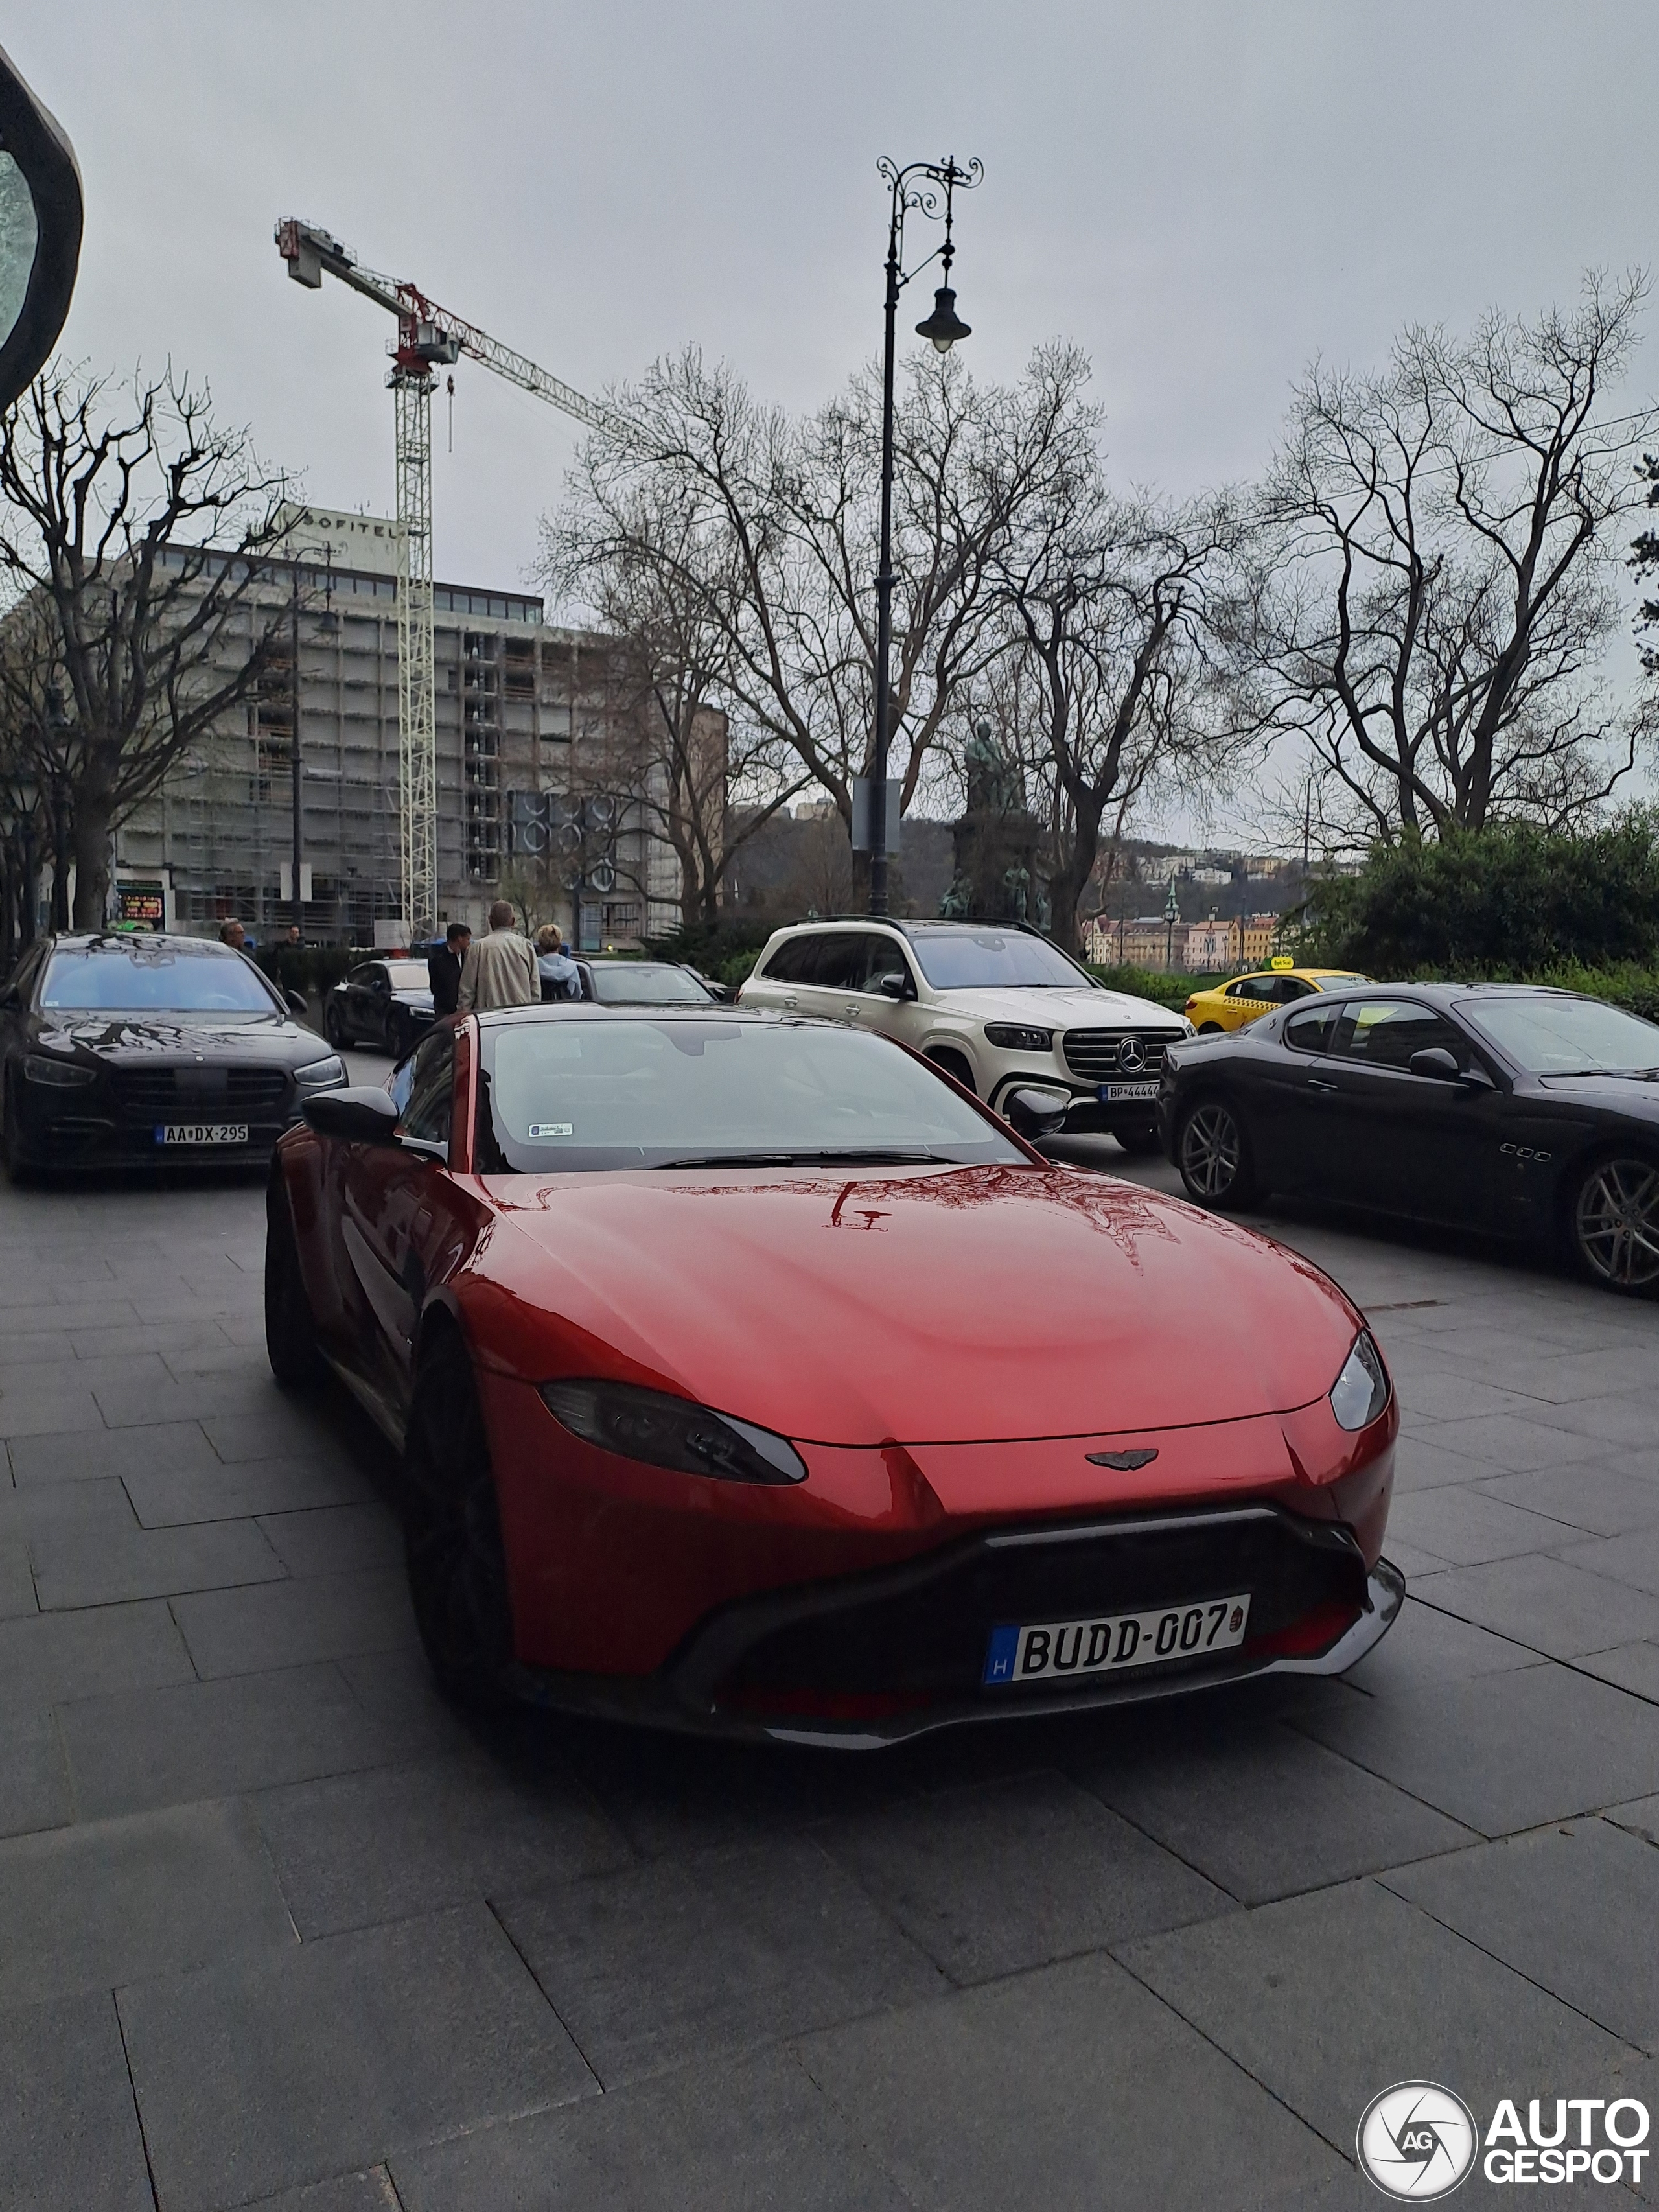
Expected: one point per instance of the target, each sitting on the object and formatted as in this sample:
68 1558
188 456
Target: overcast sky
1203 195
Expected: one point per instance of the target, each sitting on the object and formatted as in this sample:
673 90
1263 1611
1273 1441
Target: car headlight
664 1432
1361 1390
1011 1037
57 1075
331 1070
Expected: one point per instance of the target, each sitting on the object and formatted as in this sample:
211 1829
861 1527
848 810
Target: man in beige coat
500 969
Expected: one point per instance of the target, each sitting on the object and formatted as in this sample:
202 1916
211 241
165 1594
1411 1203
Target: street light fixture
927 188
39 230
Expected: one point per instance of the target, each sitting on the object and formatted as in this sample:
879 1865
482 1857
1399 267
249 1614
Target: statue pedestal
996 859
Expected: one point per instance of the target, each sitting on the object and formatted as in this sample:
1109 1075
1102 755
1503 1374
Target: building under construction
544 788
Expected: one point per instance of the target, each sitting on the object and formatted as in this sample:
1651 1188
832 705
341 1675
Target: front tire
291 1346
1209 1029
452 1545
1213 1155
1613 1224
333 1028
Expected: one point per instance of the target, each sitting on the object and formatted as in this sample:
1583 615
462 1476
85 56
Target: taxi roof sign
1281 960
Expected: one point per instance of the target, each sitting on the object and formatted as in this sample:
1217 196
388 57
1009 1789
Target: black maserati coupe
150 1049
1514 1110
386 1003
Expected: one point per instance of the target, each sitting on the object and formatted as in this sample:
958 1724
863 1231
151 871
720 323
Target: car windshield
154 978
1548 1036
570 1094
646 984
987 960
409 974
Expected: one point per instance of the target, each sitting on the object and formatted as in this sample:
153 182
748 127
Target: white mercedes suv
995 1004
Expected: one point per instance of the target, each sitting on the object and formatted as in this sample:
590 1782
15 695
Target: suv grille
1095 1054
195 1094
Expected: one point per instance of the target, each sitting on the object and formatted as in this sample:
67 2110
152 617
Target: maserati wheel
452 1532
1615 1226
1212 1154
333 1029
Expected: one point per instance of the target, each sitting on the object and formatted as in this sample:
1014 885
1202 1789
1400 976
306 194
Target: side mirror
359 1116
296 1004
1033 1113
1436 1061
894 985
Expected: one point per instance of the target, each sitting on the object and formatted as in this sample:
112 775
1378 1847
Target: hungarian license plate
201 1132
1068 1650
1112 1092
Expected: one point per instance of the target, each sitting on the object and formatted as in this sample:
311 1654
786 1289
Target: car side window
431 1092
788 963
841 962
884 955
1292 986
362 975
1386 1032
1312 1031
1258 988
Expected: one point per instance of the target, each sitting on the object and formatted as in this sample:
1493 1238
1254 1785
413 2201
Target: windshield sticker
552 1129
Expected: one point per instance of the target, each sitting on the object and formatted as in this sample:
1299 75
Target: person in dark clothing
443 969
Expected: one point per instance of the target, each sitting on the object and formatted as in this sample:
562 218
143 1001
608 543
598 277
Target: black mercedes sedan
148 1049
386 1003
1504 1108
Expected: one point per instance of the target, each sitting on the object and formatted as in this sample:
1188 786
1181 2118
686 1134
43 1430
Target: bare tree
633 552
1112 675
132 544
1438 592
768 528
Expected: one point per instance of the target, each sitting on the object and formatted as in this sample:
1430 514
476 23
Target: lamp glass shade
943 326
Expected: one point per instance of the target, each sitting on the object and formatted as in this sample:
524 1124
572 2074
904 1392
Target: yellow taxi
1247 998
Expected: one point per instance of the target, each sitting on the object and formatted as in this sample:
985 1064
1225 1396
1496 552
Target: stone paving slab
278 1925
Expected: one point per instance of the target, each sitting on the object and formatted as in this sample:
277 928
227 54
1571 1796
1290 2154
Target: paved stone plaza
276 1926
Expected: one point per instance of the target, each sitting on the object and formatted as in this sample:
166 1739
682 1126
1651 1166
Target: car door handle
1318 1083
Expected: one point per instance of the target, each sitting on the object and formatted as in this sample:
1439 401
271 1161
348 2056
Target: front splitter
653 1702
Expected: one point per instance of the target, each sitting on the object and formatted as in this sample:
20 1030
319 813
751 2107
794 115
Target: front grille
1096 1055
199 1094
921 1632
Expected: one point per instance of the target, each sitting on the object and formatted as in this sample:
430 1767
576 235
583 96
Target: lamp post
917 186
1171 915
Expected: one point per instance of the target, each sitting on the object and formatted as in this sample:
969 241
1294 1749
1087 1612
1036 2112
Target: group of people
500 970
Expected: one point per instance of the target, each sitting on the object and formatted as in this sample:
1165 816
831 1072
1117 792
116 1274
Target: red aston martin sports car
750 1375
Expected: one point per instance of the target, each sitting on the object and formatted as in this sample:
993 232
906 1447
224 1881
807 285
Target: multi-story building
544 784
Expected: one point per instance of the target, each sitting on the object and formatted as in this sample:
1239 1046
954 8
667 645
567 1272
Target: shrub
1509 903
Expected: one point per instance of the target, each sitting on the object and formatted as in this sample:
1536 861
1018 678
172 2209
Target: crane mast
428 337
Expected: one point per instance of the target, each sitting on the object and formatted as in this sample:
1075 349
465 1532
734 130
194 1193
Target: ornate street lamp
927 188
39 230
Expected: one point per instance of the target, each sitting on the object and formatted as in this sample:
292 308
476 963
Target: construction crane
428 337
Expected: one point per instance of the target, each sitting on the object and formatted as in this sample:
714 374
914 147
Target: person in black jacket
443 969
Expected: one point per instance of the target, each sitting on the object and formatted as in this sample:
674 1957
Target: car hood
207 1036
1627 1094
1059 1009
935 1306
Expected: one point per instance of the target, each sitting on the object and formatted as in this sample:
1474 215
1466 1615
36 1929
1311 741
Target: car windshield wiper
831 1155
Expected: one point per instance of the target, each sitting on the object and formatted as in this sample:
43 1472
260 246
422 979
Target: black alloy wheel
333 1027
1213 1156
291 1346
1140 1144
1614 1225
11 1141
453 1545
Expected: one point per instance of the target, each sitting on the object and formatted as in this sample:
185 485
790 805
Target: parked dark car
1503 1108
146 1048
386 1003
643 984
